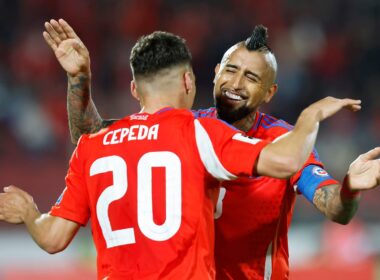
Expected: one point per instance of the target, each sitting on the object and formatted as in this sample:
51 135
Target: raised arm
52 234
284 157
74 58
340 202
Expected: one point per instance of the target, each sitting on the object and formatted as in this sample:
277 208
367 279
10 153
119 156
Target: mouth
233 95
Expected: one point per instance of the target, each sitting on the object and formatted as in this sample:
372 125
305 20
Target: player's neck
246 123
155 104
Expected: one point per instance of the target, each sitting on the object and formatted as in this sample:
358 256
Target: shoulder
216 124
271 127
209 112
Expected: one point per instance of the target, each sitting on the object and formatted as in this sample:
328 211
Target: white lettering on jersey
135 132
246 139
208 156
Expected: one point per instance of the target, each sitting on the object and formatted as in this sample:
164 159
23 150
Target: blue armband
311 178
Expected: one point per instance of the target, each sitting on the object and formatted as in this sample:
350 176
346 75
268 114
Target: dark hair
258 39
158 51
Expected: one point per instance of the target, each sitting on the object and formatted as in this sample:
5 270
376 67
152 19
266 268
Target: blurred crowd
322 47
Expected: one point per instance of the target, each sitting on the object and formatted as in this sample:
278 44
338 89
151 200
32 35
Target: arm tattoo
329 201
82 113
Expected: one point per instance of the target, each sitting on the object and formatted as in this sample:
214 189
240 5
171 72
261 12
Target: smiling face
243 81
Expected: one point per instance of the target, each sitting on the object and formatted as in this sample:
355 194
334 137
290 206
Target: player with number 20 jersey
151 182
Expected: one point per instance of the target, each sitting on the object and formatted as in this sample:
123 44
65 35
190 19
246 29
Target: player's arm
51 233
285 156
74 58
340 202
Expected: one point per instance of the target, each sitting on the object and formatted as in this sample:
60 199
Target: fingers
372 154
67 29
58 31
351 104
53 33
16 190
49 40
58 28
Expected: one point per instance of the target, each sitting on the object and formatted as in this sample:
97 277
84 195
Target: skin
249 74
274 161
175 87
52 234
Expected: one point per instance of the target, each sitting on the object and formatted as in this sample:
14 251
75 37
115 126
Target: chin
230 114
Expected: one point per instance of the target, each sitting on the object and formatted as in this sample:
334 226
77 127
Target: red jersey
253 215
148 183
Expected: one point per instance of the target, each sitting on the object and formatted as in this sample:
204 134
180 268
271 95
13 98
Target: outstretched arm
52 234
340 202
74 58
284 157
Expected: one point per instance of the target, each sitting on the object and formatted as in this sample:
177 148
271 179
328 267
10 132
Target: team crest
320 172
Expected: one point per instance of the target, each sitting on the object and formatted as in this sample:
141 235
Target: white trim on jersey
208 156
268 263
246 139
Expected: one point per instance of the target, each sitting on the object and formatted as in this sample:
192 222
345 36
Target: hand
15 205
329 106
364 172
70 51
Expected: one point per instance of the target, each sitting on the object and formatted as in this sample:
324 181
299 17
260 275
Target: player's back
146 184
149 182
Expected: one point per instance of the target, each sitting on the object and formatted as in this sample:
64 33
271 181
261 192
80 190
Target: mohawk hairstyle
158 51
258 39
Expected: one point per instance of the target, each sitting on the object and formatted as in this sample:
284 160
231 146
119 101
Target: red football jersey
253 215
149 184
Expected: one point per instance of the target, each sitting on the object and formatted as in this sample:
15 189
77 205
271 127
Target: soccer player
148 180
252 219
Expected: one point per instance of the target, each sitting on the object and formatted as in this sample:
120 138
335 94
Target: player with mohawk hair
253 215
258 39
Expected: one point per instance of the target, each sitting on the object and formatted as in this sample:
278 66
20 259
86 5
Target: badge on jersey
311 178
60 197
318 171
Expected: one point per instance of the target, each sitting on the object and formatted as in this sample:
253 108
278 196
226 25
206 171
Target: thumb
372 154
80 48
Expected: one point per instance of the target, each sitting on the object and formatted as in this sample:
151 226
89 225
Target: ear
271 92
134 90
189 81
217 67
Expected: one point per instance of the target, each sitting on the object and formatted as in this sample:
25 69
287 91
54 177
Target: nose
237 81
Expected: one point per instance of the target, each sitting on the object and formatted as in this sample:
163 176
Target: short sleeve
226 152
73 204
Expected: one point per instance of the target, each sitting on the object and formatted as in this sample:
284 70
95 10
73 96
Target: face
243 81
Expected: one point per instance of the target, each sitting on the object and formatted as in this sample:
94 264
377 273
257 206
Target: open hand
329 106
70 51
364 172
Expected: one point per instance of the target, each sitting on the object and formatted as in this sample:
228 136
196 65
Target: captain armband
312 178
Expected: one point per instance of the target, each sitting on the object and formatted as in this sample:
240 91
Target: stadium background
322 47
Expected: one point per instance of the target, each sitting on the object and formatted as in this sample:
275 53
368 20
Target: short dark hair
158 51
258 40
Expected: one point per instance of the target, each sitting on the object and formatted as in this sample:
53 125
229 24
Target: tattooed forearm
82 113
330 202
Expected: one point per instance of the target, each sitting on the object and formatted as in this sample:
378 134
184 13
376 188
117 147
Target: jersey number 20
148 227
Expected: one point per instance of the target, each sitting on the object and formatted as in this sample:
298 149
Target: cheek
256 96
